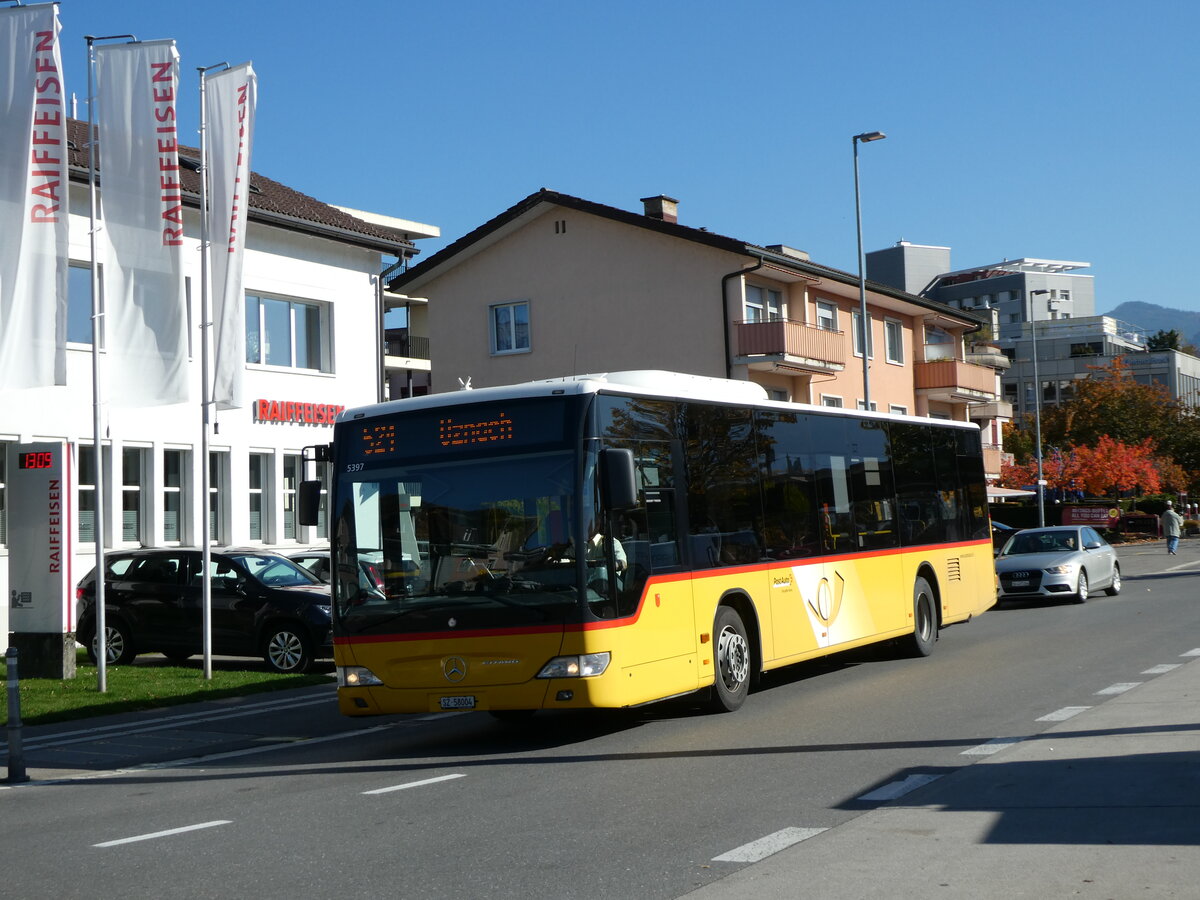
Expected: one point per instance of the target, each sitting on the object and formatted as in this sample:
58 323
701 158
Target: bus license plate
458 703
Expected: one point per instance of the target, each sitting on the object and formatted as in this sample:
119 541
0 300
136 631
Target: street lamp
1037 412
865 324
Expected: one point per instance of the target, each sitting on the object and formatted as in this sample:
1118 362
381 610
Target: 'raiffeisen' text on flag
142 212
33 200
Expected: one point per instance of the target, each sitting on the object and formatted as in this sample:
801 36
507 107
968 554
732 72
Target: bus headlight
584 666
356 676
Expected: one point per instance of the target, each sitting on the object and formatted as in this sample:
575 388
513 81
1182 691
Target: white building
314 345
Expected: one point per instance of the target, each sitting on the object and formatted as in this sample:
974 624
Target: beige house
558 285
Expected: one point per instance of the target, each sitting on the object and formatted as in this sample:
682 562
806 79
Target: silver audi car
1068 561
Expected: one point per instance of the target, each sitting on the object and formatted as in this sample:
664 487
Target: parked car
1000 535
373 577
263 604
1064 561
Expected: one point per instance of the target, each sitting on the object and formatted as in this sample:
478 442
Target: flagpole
98 529
205 402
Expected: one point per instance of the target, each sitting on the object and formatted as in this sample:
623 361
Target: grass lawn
149 683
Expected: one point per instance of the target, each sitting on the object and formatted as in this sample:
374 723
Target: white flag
33 200
145 323
230 100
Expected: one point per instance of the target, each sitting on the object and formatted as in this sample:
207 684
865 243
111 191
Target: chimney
661 207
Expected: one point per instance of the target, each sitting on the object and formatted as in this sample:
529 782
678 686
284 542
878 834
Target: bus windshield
461 545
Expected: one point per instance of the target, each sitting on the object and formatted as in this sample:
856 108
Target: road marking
993 746
1163 669
1195 652
1120 687
413 784
769 845
1061 715
163 723
899 788
167 833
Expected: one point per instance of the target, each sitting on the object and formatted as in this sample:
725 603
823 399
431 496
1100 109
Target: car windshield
274 571
1042 542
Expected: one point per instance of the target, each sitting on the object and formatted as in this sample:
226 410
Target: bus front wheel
924 619
731 661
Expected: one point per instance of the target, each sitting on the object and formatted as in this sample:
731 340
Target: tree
1110 402
1112 465
1164 340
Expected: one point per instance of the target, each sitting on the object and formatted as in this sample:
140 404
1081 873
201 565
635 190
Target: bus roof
642 382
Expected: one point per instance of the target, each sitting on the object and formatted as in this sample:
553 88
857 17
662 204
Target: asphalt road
280 797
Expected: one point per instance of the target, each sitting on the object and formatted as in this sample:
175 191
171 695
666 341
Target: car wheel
924 619
288 649
731 650
1081 590
1115 588
118 649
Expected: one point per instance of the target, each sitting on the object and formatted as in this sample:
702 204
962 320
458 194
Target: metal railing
412 347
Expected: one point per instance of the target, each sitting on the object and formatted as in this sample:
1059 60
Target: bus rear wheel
924 619
731 661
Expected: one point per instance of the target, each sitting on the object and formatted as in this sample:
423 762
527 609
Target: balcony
789 347
955 381
406 352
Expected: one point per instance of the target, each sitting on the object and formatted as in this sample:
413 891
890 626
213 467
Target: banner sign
41 583
33 199
230 100
145 322
1096 516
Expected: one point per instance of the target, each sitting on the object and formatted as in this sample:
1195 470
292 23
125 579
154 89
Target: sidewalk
1103 805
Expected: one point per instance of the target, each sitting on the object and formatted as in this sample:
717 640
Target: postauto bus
614 540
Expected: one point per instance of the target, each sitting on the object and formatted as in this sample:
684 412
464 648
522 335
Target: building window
893 336
87 491
828 400
763 304
287 333
862 405
510 327
218 489
79 306
856 326
781 396
897 410
174 495
293 468
259 495
826 316
133 465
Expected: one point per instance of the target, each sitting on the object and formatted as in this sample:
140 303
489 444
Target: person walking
1172 522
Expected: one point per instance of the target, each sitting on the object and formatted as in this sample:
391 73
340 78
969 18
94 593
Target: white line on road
1061 715
900 788
1163 669
1120 687
766 846
1195 652
993 746
167 833
413 784
162 723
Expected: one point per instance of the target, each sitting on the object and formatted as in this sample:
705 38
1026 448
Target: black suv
263 604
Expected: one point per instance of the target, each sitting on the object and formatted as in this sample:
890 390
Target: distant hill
1152 318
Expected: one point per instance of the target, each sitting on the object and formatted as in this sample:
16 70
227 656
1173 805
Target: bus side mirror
310 502
618 483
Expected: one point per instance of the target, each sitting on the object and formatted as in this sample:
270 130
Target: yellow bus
616 540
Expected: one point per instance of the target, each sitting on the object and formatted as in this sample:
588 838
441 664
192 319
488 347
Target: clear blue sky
1062 130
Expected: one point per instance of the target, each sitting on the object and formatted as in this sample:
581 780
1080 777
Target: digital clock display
39 459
